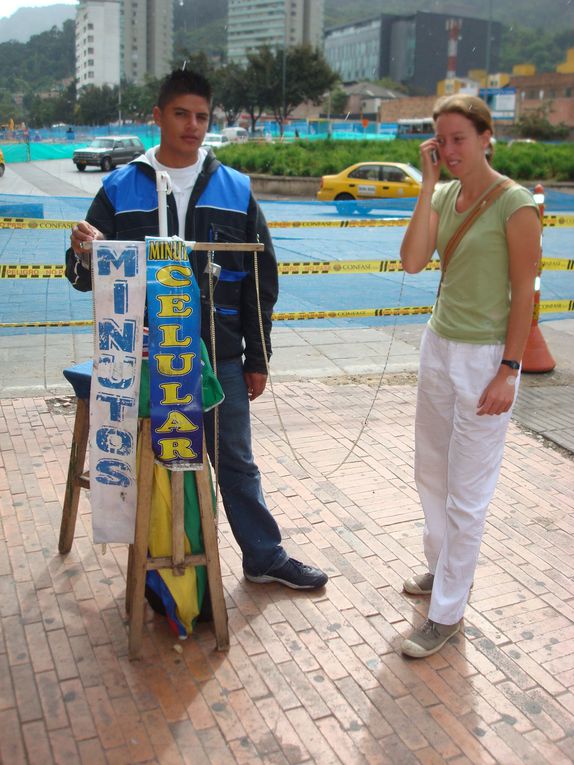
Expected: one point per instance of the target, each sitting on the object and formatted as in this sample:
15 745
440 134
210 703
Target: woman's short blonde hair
471 107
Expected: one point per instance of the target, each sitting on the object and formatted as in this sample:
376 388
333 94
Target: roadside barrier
537 357
545 306
48 271
552 221
295 268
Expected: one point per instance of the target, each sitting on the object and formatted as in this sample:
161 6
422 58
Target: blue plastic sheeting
348 210
558 201
54 208
25 300
21 210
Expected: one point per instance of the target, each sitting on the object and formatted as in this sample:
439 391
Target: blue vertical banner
174 319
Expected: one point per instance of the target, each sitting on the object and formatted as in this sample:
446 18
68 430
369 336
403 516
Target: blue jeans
253 526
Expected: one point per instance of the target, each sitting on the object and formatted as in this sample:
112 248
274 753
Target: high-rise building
123 40
414 49
98 43
159 37
252 24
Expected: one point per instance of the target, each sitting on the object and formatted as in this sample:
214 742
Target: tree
545 50
138 100
336 101
259 83
97 106
300 74
537 125
8 108
230 90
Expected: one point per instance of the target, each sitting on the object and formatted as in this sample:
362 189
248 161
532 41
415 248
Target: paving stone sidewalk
310 677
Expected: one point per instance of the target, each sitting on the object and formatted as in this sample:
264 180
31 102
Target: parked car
371 180
108 152
2 165
236 134
215 140
515 141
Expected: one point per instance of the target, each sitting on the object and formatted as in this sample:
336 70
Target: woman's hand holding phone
430 161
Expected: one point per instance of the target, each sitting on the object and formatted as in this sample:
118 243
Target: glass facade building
410 49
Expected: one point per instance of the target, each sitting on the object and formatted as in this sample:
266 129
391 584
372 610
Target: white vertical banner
119 286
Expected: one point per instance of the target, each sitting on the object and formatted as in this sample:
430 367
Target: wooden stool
138 561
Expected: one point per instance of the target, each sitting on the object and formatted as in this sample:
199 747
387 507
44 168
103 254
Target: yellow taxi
2 165
371 180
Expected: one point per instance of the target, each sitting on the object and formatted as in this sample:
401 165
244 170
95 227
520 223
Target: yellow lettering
170 338
168 275
171 393
177 421
155 252
166 367
178 447
173 305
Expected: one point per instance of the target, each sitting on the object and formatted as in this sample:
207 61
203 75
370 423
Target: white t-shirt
182 182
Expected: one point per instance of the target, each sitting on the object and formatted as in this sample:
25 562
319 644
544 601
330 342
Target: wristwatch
511 363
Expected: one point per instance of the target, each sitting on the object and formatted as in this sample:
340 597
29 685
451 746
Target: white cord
275 397
211 307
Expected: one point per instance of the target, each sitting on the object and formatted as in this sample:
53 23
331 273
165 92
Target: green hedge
524 162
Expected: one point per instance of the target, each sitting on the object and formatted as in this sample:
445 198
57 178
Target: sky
7 7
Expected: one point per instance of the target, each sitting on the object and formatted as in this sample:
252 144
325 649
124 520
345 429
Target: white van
236 134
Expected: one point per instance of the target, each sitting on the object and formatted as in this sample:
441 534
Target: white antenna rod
163 185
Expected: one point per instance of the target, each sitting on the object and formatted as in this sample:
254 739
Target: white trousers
457 463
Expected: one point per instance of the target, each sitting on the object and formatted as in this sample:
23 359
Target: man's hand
498 395
256 383
83 234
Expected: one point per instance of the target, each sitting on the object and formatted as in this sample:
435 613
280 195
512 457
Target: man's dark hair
183 82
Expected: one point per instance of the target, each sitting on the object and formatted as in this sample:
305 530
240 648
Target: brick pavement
310 678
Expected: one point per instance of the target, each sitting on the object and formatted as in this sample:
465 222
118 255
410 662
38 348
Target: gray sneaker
419 584
428 638
293 574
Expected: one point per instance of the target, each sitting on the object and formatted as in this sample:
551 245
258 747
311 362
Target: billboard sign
501 102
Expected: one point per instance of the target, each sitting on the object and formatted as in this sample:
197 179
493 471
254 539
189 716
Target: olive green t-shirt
475 294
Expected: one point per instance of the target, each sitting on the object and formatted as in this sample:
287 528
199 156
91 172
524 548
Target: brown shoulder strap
483 204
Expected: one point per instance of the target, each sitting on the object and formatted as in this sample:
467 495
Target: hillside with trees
25 22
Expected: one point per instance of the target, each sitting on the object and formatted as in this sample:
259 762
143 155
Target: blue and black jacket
221 209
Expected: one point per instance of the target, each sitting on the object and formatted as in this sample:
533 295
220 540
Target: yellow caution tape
32 272
18 324
31 223
558 221
552 221
557 264
546 306
295 268
345 267
352 313
556 306
348 223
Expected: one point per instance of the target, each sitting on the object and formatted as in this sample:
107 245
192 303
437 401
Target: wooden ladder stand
138 561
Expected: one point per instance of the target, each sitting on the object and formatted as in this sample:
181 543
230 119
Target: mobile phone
434 156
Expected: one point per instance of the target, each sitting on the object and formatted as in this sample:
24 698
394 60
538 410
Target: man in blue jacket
209 202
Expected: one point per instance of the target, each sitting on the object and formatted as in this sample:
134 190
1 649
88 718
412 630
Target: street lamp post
488 35
284 72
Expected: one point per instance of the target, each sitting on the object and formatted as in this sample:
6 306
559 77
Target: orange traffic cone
537 357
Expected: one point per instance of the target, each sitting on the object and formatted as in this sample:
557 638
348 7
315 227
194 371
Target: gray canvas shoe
419 584
428 638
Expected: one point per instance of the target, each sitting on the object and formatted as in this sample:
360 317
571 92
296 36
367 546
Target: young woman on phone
487 232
